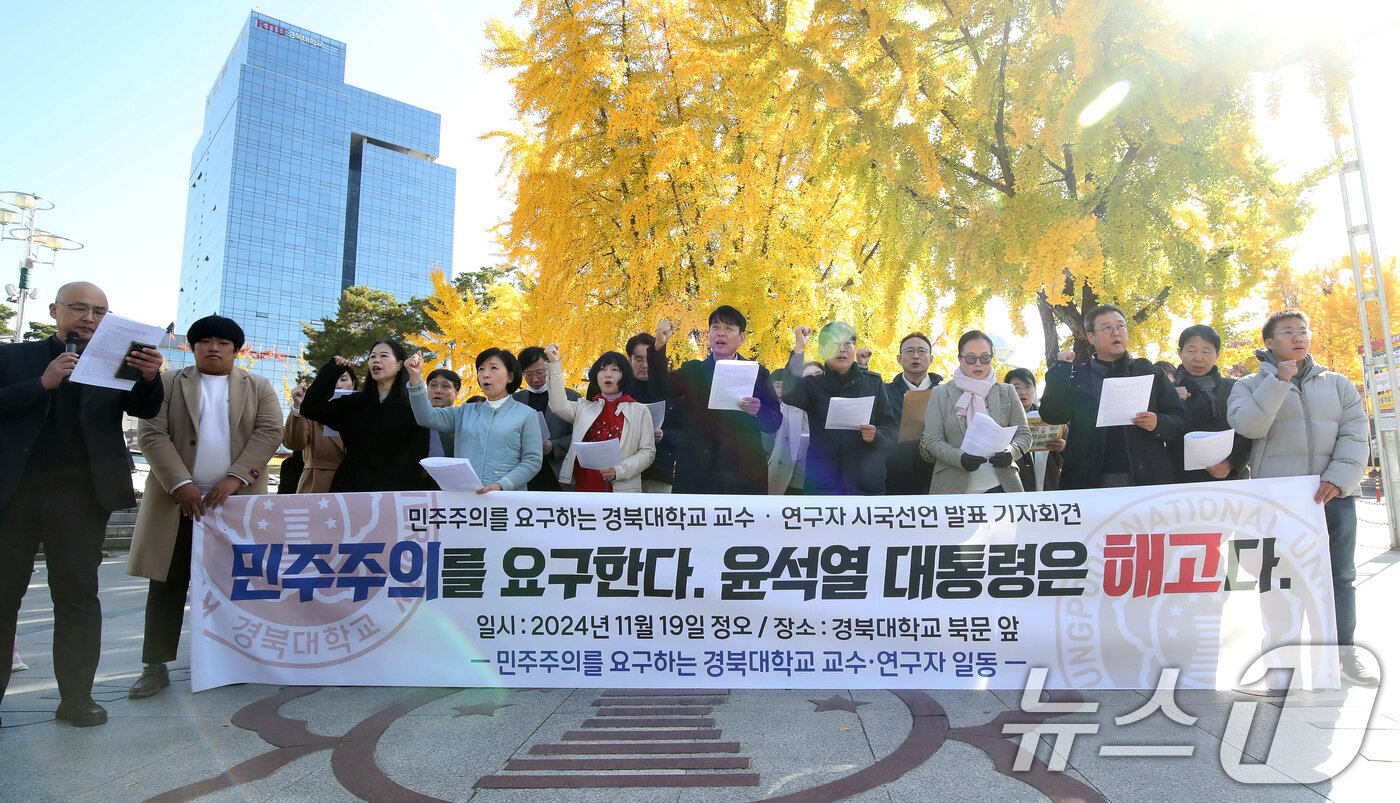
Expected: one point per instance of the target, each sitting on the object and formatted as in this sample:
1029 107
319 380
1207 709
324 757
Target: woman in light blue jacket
501 436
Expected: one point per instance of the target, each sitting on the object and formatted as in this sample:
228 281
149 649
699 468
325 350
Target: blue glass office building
301 186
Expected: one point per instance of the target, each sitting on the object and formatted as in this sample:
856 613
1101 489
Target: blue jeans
1341 541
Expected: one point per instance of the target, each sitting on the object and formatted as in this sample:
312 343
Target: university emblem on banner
1174 564
339 549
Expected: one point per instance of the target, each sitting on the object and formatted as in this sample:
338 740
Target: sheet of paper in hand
849 413
1122 398
1200 450
599 454
105 355
658 414
985 437
452 473
734 380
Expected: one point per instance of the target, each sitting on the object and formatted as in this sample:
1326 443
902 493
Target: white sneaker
1354 671
17 665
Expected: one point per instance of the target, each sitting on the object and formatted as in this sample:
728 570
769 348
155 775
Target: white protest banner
1102 588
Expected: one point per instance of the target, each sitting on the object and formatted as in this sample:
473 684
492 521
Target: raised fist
801 335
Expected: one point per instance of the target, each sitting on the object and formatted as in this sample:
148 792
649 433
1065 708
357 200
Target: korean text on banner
1102 588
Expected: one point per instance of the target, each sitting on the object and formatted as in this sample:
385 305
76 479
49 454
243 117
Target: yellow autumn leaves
892 164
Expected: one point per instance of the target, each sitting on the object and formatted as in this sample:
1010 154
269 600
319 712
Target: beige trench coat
320 452
169 443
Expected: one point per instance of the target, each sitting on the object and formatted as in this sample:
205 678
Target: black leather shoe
81 714
153 678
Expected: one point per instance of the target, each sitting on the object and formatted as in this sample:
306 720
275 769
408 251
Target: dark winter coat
663 468
383 443
1072 397
1206 412
839 461
721 451
906 471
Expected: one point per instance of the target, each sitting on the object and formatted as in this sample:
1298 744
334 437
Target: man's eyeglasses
917 352
1119 329
973 359
83 310
537 374
1301 334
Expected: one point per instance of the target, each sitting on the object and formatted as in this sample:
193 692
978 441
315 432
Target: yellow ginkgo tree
459 327
893 164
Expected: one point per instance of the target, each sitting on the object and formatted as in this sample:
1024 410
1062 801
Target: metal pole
24 268
23 297
1387 438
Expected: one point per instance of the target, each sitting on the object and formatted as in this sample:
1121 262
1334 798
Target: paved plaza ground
269 743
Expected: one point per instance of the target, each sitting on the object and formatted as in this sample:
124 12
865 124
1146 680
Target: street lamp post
18 211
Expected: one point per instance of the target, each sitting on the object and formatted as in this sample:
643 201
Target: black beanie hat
217 327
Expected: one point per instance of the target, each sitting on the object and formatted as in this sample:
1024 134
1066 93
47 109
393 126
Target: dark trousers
70 523
165 602
1341 540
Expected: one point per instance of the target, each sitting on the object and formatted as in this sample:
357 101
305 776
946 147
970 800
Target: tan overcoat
321 453
170 441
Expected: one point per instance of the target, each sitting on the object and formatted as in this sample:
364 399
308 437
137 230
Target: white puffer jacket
1322 429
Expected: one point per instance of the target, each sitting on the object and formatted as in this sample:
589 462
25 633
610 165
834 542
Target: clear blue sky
102 103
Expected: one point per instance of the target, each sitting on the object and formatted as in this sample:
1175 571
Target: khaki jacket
169 443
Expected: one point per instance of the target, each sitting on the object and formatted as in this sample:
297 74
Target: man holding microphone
63 470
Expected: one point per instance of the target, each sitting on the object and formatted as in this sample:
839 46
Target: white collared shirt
924 385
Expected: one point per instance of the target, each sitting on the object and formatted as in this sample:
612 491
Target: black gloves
971 462
1000 460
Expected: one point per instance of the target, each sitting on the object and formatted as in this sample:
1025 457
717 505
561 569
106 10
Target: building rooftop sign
297 35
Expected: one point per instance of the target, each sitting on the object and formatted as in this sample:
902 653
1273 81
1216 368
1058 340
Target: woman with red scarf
605 413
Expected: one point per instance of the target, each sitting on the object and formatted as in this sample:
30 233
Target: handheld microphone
70 343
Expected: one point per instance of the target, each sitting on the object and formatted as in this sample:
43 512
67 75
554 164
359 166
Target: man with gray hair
63 470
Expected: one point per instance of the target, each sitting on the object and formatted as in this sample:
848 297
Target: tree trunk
1072 317
1088 299
1047 329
